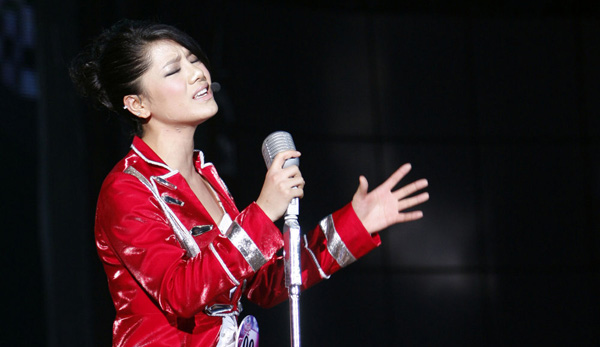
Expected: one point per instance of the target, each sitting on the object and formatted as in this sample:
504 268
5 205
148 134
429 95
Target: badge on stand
248 332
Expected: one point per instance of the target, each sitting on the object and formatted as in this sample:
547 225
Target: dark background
495 103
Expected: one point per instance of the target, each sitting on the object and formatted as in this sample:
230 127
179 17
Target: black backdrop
495 104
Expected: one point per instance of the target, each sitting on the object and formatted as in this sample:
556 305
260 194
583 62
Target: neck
174 146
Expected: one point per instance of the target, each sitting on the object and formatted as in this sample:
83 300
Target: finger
281 157
411 188
296 182
291 171
412 201
297 193
398 175
409 216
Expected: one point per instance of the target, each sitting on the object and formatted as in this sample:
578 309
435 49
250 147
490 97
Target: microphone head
215 86
275 143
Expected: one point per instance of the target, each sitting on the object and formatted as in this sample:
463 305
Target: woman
177 252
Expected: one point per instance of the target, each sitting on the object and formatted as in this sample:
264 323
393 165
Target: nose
197 73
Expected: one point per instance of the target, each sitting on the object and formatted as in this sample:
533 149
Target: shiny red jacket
174 273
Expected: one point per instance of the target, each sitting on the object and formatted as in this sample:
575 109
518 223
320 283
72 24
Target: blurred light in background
17 47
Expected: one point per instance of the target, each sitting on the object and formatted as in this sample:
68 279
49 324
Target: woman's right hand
280 186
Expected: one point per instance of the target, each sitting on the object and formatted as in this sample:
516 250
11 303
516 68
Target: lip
208 95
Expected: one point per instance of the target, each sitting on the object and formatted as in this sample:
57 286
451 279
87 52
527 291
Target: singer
178 254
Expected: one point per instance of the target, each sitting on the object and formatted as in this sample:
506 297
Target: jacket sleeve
132 225
335 243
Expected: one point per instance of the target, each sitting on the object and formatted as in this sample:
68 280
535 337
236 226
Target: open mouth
202 93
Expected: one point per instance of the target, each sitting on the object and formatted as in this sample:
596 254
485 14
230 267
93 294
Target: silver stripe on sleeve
240 239
312 256
335 245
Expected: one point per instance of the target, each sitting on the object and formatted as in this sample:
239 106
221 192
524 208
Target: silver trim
171 200
233 279
240 239
221 310
150 161
183 236
163 182
202 163
201 229
337 248
314 258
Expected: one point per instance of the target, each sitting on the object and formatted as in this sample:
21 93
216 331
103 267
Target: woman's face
176 87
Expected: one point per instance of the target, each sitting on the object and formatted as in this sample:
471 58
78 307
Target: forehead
163 51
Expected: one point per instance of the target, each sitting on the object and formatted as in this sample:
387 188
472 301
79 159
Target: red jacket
173 272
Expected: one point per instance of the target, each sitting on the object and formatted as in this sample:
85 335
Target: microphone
275 143
215 86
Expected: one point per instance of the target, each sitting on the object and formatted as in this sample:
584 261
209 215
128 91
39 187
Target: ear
133 103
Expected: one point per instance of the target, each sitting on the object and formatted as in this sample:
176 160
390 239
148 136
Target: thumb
281 157
363 187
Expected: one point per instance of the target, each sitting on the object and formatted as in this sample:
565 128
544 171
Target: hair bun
85 74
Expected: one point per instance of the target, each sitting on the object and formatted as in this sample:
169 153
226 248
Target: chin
208 113
214 110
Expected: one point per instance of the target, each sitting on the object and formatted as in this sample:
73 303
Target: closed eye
172 72
193 59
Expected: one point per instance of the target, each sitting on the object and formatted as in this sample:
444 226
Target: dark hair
110 67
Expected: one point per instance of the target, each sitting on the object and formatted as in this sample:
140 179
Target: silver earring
125 107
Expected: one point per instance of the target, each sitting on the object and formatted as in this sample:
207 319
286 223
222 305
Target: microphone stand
293 274
277 142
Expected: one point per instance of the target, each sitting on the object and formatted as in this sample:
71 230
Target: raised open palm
383 206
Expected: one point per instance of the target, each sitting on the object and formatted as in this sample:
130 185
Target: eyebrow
173 61
177 58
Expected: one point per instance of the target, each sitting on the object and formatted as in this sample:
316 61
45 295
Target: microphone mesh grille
276 142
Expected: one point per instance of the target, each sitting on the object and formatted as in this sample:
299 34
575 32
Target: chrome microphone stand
293 273
275 143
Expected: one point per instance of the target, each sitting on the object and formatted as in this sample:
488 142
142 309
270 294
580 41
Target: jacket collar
149 156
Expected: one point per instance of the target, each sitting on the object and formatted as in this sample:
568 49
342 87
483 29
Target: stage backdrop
495 105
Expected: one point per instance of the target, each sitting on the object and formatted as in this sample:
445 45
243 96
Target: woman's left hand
383 207
280 186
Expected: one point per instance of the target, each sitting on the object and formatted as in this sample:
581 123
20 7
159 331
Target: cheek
164 90
174 88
